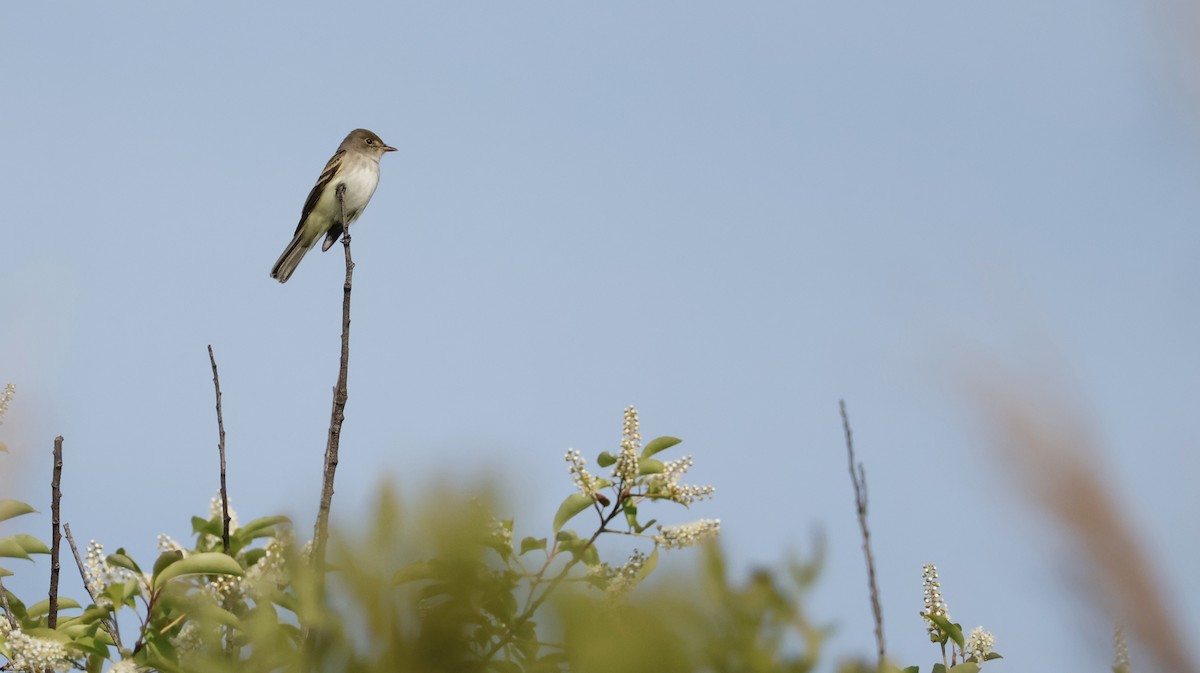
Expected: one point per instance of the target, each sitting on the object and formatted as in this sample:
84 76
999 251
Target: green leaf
88 645
206 526
413 572
912 669
5 572
969 667
504 666
574 504
13 508
992 655
30 544
210 563
121 560
650 466
261 527
648 565
631 514
659 444
165 559
938 668
606 459
43 607
531 543
10 548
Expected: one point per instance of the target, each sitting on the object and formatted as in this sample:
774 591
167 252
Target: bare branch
109 624
221 450
55 534
12 621
338 415
859 478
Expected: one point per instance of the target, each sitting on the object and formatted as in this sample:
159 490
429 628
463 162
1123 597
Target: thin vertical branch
12 621
221 449
859 478
109 624
55 534
338 415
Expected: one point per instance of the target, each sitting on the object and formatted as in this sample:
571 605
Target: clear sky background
728 214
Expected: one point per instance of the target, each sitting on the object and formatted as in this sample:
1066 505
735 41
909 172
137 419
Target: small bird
354 168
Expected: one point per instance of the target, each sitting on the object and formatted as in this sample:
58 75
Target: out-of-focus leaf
210 563
659 444
13 508
43 607
165 559
606 459
413 572
968 667
574 504
531 543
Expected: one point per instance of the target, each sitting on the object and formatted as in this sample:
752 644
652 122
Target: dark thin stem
221 450
338 415
12 621
55 534
110 625
859 478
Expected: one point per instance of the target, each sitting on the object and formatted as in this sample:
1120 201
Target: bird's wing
331 169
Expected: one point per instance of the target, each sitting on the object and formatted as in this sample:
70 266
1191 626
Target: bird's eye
370 142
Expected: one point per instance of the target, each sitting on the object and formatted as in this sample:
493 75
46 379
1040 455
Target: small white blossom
5 398
264 578
626 468
125 666
166 543
934 603
625 577
688 534
980 644
667 483
27 653
215 512
99 573
1120 651
584 481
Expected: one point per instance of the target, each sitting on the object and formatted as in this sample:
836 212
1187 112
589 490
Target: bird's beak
387 148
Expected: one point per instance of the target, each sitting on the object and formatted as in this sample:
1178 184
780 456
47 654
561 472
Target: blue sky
728 214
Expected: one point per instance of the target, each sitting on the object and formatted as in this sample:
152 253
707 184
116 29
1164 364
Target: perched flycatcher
355 169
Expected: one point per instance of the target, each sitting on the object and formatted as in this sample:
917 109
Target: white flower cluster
214 512
27 653
500 532
263 579
667 483
624 579
587 484
934 603
980 644
688 534
5 398
100 574
626 468
1120 651
166 543
125 666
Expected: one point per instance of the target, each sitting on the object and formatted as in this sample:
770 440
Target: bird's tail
289 260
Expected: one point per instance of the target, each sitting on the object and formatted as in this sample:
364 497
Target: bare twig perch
221 450
55 534
338 415
859 478
109 624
